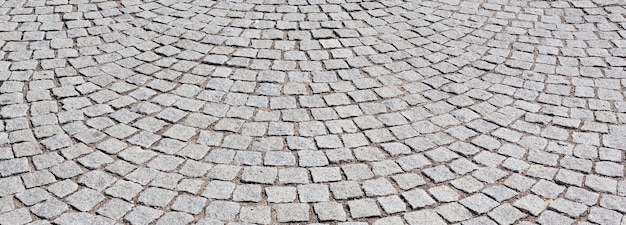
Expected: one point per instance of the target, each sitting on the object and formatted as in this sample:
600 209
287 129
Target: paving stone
582 196
156 196
489 174
467 184
329 211
453 212
531 203
479 203
189 204
33 196
175 217
425 216
313 193
143 215
506 214
439 174
363 208
444 194
280 194
479 220
549 217
259 175
85 199
418 198
6 204
293 212
222 210
389 220
293 176
219 189
500 193
547 189
50 208
570 208
378 187
96 180
38 178
63 188
392 204
115 208
601 184
14 166
18 216
209 221
604 216
258 214
247 193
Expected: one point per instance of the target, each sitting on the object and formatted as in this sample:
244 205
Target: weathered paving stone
85 199
549 217
313 193
33 196
363 208
506 214
292 212
115 208
50 208
418 198
453 212
425 216
479 203
258 214
247 193
570 208
603 216
175 217
142 215
156 196
392 204
280 194
18 216
329 211
531 203
189 204
222 210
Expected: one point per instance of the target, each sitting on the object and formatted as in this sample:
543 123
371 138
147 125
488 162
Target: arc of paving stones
331 112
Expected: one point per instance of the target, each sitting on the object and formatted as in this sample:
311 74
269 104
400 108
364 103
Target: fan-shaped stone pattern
319 111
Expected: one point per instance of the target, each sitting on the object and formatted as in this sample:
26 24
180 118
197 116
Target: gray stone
418 198
479 203
313 193
258 214
50 208
453 212
604 216
156 196
506 214
222 210
115 209
247 193
85 199
293 212
532 204
143 215
423 217
189 204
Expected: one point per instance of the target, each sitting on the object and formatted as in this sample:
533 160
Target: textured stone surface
346 112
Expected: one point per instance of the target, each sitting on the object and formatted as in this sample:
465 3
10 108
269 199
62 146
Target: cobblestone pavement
342 112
